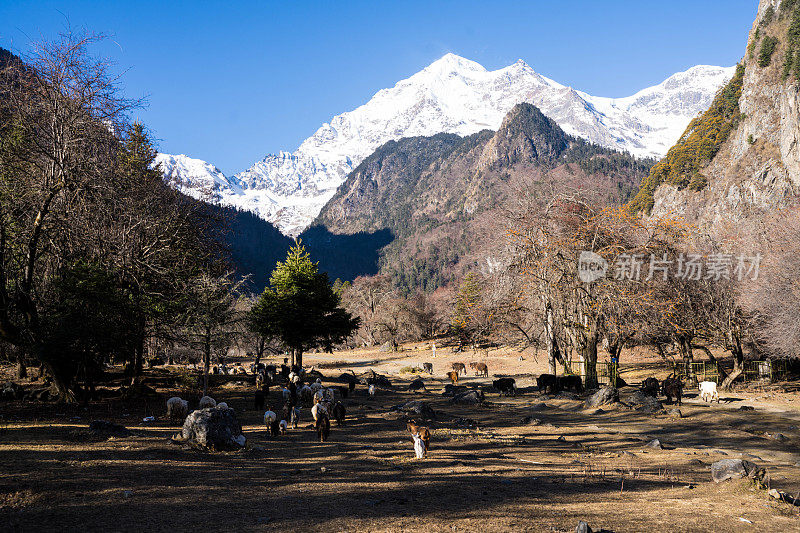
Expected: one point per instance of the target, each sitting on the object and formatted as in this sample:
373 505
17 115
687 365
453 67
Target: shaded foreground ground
498 474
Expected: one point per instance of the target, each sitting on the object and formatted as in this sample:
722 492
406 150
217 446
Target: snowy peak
196 178
451 95
450 64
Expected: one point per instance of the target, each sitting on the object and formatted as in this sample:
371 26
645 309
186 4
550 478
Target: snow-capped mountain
453 95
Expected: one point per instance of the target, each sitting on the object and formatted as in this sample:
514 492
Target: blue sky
230 82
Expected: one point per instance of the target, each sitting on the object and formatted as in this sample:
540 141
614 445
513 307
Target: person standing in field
433 347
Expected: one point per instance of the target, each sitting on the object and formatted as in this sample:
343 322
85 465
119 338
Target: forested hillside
444 197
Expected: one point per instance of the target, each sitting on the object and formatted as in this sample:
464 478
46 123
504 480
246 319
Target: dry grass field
529 463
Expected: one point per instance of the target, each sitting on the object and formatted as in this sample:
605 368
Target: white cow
708 391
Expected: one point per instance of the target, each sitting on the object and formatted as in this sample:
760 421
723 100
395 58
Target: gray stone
746 408
656 444
780 437
645 403
530 421
419 408
604 396
675 413
539 407
732 469
583 527
473 397
215 429
452 390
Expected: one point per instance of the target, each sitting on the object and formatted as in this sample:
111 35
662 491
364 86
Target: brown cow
422 431
323 426
453 376
459 367
480 369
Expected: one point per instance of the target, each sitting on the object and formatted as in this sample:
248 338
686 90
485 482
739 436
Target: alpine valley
453 95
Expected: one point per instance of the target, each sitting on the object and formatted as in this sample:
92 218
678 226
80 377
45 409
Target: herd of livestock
303 389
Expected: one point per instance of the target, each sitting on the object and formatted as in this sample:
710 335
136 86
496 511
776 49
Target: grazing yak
338 412
459 367
453 376
506 386
427 367
570 383
547 383
480 369
650 387
672 387
323 426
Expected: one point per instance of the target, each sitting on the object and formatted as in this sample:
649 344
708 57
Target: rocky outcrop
213 428
757 169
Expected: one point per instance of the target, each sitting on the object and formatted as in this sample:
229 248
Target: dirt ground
488 469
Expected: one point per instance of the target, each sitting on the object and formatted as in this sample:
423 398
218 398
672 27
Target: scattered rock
645 403
419 408
733 469
539 407
780 437
597 412
696 462
416 385
108 428
583 527
628 455
604 396
747 408
780 495
215 429
530 421
675 413
452 390
656 444
561 439
473 397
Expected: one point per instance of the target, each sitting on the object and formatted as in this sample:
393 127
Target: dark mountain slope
442 197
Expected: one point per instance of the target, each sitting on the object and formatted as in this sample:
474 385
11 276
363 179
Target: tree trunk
590 361
738 360
22 371
206 359
552 343
298 357
138 357
685 347
61 383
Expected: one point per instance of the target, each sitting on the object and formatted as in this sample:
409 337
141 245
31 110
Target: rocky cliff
755 169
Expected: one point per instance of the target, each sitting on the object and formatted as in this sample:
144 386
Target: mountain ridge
443 197
454 95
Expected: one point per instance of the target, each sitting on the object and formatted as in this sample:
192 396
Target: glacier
452 95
